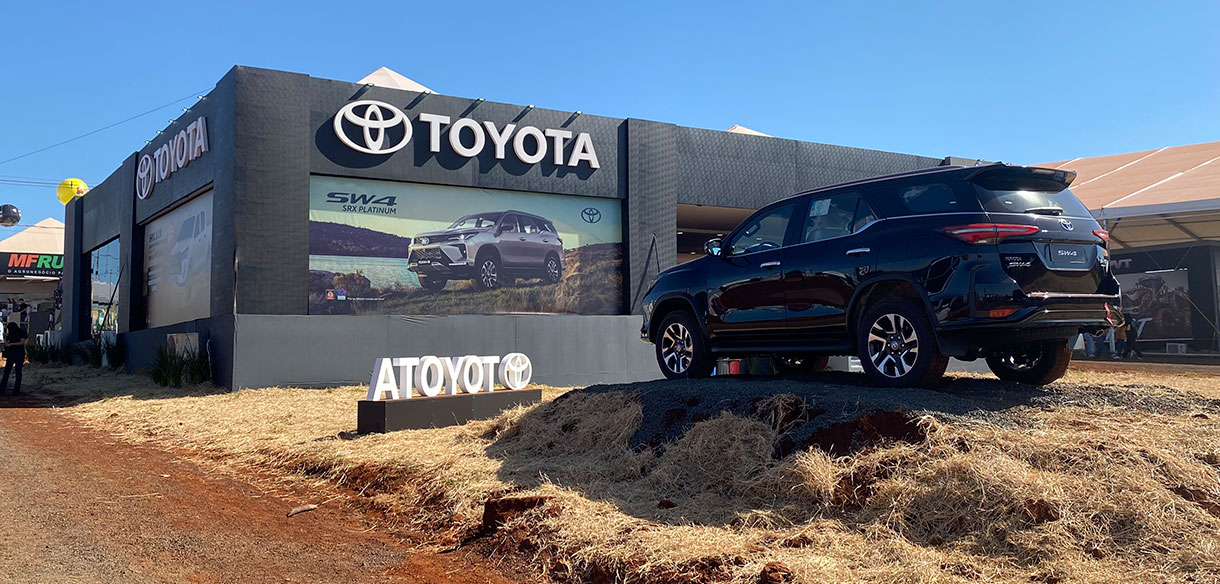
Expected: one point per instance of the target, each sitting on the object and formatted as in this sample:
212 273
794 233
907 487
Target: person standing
1133 335
14 355
1120 337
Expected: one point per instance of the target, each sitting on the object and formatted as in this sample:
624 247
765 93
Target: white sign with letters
434 375
177 152
365 126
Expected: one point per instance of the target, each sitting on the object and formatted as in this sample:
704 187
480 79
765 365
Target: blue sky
1021 82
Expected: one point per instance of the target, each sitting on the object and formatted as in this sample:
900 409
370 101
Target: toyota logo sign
144 177
591 215
372 124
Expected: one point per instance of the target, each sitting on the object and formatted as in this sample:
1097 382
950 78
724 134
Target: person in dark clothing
1133 335
14 355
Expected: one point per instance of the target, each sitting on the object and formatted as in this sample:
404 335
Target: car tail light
1000 312
1103 235
984 233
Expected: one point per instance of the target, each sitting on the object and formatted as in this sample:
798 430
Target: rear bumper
1040 316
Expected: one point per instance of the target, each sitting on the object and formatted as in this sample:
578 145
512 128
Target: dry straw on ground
1080 492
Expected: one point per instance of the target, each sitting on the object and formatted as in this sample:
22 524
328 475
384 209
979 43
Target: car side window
763 232
864 216
830 217
529 225
509 224
929 198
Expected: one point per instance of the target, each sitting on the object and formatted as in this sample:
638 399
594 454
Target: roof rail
916 172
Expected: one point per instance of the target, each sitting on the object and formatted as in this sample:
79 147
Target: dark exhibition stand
437 412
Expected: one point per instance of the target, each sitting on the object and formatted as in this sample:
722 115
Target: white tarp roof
46 236
386 77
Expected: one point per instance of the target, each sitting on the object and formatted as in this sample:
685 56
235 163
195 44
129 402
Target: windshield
1006 193
478 221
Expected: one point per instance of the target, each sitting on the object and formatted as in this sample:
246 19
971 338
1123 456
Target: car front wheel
487 272
681 350
898 347
1032 363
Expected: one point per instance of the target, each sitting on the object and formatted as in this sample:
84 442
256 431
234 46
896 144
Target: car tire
799 364
1032 363
898 346
487 272
681 349
433 284
552 271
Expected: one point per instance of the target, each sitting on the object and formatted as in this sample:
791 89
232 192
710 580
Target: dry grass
1097 494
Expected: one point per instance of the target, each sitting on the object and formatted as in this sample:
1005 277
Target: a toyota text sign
398 378
177 152
378 128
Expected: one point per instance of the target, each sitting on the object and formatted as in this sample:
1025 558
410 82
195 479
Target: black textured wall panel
271 192
653 182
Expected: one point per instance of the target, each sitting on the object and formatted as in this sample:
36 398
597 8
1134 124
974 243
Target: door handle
858 251
521 238
768 265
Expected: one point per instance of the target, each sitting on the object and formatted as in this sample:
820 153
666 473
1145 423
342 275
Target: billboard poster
381 247
1159 302
178 263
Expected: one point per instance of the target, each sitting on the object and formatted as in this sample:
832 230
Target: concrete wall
320 351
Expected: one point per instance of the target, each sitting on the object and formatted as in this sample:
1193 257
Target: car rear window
1011 193
930 198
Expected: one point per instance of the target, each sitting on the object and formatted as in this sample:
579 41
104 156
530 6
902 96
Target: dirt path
78 506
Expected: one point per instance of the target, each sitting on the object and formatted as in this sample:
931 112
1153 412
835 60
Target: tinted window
929 198
864 216
764 231
529 224
830 217
509 225
1058 201
482 221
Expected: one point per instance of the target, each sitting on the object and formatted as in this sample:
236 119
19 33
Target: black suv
1000 262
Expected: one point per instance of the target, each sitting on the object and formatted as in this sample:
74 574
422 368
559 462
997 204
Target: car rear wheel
799 364
681 350
487 272
552 269
898 347
1032 363
433 284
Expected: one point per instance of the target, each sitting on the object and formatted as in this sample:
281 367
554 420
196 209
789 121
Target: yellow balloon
70 189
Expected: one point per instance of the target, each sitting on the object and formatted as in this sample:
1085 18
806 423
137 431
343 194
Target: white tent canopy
386 77
1153 197
46 236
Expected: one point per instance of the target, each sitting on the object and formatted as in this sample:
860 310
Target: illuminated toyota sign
378 128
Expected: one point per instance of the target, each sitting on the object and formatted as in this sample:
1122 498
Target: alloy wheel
677 348
893 345
552 269
487 274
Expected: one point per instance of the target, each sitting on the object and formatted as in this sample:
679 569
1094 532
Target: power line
87 134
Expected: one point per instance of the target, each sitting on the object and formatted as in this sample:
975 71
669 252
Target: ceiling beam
1182 228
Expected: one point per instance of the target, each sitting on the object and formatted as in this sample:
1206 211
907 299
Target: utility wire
87 134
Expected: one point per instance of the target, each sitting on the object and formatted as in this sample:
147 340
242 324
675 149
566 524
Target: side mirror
712 247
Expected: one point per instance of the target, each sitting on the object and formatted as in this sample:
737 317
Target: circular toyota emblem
144 177
372 127
516 370
591 215
1067 225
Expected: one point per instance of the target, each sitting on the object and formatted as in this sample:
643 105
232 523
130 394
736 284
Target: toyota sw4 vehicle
996 262
489 248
